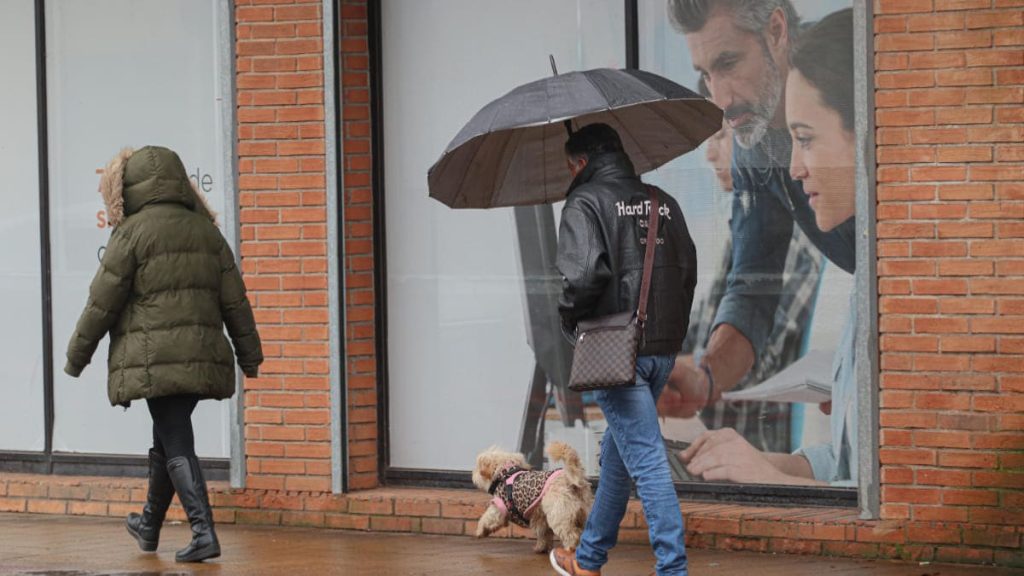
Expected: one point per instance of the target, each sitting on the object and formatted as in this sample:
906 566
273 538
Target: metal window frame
337 301
224 23
761 494
632 22
380 274
112 465
866 497
866 277
43 147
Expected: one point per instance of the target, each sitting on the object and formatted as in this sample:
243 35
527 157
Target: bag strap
652 240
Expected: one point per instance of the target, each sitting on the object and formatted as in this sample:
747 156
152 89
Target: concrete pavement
82 546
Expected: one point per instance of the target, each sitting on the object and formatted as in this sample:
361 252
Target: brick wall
950 106
284 248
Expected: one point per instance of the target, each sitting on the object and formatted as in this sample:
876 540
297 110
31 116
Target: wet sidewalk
78 546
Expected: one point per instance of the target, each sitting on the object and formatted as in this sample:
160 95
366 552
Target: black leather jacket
601 247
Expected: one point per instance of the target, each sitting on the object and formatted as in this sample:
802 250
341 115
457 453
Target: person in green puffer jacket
166 288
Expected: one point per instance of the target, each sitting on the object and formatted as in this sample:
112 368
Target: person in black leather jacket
601 245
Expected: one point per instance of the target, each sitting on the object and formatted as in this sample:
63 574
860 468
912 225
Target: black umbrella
511 152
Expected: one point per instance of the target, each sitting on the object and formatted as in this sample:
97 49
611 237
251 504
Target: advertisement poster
474 358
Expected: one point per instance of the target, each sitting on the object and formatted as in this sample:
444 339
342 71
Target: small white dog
552 503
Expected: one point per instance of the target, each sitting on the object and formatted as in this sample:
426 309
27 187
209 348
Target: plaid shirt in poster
763 424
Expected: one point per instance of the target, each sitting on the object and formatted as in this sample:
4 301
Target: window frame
865 497
67 463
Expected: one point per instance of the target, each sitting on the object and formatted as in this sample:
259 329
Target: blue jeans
633 448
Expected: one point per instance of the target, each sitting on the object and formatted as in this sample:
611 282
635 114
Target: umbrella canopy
511 152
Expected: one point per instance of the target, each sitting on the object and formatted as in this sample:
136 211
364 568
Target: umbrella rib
472 160
548 198
544 165
650 104
499 181
668 120
599 91
635 80
625 127
611 110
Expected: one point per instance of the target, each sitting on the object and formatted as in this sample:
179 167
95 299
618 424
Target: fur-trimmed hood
166 287
152 175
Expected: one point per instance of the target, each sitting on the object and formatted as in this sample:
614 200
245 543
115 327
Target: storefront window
461 335
473 357
123 73
21 356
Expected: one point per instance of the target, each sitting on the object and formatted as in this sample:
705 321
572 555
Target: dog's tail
562 452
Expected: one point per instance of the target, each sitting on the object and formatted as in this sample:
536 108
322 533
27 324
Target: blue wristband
711 383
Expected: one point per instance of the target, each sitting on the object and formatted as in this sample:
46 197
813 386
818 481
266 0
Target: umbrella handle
554 72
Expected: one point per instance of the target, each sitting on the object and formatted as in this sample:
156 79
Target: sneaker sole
554 564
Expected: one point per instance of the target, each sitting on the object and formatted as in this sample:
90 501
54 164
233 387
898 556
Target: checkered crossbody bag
606 347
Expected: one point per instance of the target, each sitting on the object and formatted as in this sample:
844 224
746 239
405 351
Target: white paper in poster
21 356
122 73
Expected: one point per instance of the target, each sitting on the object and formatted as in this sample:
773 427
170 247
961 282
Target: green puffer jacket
165 289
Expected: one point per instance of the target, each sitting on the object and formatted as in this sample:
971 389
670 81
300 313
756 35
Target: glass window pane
459 336
122 73
21 356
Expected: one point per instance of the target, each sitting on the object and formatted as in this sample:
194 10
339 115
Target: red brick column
284 248
358 263
950 106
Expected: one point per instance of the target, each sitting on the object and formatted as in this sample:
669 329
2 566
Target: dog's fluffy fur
562 511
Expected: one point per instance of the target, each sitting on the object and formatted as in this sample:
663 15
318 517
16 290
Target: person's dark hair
824 56
751 15
592 140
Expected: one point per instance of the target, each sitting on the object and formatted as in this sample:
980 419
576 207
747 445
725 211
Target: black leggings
172 424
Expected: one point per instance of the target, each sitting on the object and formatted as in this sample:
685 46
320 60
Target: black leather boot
145 527
191 488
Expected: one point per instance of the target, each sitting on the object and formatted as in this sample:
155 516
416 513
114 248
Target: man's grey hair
751 15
